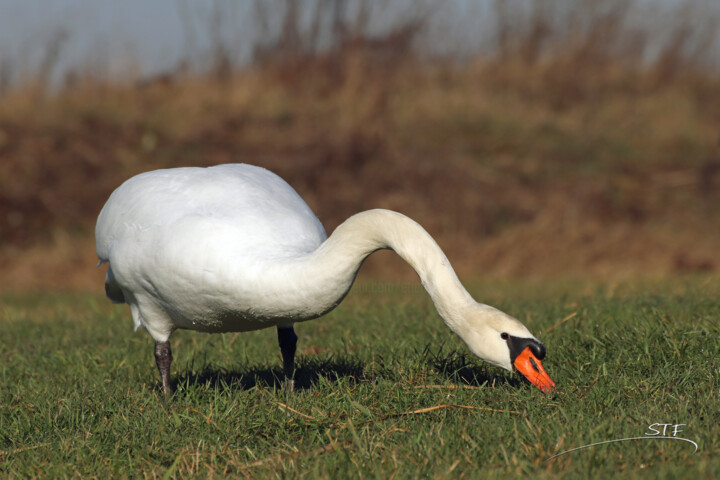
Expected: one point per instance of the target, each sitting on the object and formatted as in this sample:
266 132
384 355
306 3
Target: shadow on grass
307 374
457 368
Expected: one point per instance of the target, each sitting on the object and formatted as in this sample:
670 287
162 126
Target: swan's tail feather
112 289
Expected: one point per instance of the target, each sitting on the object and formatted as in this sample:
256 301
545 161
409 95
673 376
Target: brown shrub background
575 160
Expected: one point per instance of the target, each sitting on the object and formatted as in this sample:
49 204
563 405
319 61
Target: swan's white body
235 248
211 250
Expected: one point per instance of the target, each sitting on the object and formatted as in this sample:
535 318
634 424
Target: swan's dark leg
163 359
288 344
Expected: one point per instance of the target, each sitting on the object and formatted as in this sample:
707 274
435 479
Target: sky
97 33
130 38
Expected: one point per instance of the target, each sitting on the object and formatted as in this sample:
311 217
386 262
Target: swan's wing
245 209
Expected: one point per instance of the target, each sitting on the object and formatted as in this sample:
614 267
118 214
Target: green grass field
80 392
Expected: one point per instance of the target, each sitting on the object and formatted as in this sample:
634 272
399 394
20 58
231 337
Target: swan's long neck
322 279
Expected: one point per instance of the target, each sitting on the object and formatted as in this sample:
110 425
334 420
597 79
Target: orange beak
529 365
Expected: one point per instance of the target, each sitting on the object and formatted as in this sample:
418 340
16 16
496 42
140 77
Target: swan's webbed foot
288 345
163 359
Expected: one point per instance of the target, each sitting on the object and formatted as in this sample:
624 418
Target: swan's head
503 341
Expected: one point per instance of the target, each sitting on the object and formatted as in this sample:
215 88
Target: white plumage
235 248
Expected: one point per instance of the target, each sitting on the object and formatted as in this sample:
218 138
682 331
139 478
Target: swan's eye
504 336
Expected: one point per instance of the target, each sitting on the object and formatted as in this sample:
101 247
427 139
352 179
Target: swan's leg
288 344
163 359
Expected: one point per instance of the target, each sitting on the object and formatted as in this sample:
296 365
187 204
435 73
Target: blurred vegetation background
581 139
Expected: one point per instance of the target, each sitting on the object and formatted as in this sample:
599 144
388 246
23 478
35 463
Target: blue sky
136 37
95 31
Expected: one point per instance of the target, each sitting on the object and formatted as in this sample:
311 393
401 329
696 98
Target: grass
384 390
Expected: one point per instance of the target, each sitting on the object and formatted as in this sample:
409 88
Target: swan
234 248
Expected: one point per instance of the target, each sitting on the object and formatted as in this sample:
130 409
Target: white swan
234 248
